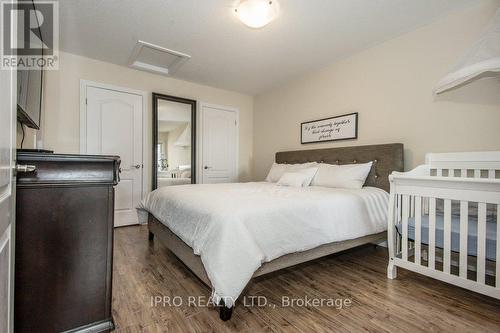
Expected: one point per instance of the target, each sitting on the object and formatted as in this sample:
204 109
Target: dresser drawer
68 169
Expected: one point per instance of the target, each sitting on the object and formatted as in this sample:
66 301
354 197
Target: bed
228 233
178 176
164 181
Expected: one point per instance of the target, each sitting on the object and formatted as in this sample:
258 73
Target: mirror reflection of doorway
173 140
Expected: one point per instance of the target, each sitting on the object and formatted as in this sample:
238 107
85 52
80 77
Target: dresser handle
25 168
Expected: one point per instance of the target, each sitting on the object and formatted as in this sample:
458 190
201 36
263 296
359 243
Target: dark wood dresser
64 243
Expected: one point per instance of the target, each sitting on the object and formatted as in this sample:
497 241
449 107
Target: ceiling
307 35
168 126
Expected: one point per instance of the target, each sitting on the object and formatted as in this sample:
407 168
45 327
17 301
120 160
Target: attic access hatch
156 59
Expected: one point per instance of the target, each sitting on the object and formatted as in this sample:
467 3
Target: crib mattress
491 234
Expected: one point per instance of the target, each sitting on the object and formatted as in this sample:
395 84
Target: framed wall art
343 127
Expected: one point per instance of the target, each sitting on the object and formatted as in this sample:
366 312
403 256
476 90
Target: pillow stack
349 176
296 175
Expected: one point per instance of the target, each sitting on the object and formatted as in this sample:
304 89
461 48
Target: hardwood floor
411 303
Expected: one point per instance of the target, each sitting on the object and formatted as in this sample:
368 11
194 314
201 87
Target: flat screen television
29 95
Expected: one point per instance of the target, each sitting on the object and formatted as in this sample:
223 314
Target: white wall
62 103
177 155
390 85
29 137
163 138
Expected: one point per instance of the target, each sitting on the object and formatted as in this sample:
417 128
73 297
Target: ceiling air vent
156 59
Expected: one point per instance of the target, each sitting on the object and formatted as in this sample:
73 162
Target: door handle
25 168
207 167
137 166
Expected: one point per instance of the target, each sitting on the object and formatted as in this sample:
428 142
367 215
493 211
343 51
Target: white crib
427 235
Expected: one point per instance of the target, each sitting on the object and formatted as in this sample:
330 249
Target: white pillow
277 170
293 179
298 178
351 176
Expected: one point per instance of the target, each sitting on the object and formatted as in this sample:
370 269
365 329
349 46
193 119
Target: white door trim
199 136
84 84
8 102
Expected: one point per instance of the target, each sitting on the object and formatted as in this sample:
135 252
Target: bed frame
450 177
386 158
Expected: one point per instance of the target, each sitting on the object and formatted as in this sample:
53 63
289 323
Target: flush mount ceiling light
257 13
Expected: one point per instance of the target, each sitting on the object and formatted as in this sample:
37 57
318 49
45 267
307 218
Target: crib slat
412 206
398 208
398 221
497 284
481 242
451 173
477 173
406 204
491 174
447 236
439 172
432 233
463 173
464 219
418 231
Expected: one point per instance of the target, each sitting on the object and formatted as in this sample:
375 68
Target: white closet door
219 144
113 126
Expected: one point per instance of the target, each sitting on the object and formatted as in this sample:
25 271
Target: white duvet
237 227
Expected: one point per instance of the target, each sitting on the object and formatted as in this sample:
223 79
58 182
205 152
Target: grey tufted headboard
386 159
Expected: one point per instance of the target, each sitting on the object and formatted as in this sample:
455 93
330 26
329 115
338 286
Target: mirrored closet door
174 141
